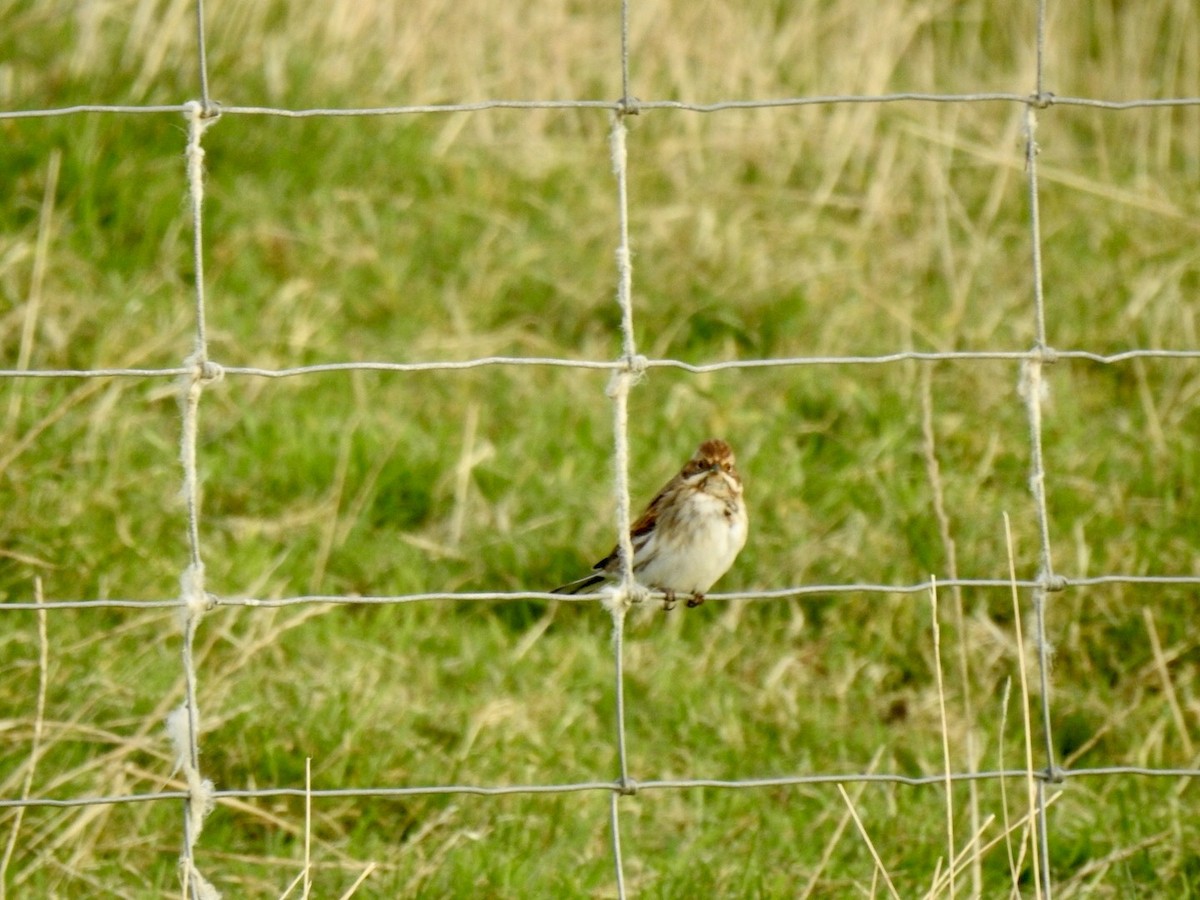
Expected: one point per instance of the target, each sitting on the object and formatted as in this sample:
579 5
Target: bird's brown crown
714 453
715 450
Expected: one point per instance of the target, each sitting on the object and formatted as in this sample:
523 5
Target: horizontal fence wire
1041 101
1045 355
199 370
629 787
1061 583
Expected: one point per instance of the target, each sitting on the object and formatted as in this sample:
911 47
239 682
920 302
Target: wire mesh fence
198 372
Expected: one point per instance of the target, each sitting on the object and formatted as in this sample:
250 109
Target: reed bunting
689 535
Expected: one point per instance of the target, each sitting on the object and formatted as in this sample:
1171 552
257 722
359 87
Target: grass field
839 229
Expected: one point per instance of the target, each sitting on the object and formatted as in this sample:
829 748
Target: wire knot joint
1053 583
629 106
621 597
1054 774
196 600
636 365
1042 100
202 371
1044 354
202 112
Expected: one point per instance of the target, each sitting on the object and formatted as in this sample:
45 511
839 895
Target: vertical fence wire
194 599
1034 388
202 59
619 388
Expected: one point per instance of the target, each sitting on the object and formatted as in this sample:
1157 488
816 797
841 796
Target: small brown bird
689 535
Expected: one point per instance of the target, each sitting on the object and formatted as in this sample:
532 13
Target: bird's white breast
689 554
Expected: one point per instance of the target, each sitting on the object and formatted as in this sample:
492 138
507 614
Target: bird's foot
669 601
695 600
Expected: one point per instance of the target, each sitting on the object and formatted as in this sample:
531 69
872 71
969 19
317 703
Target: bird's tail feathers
589 584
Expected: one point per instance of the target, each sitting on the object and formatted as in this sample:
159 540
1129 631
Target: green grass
839 229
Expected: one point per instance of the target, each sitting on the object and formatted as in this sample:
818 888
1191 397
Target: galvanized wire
613 787
1033 372
440 365
193 595
215 601
1042 100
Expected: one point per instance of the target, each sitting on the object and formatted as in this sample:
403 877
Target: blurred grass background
840 229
